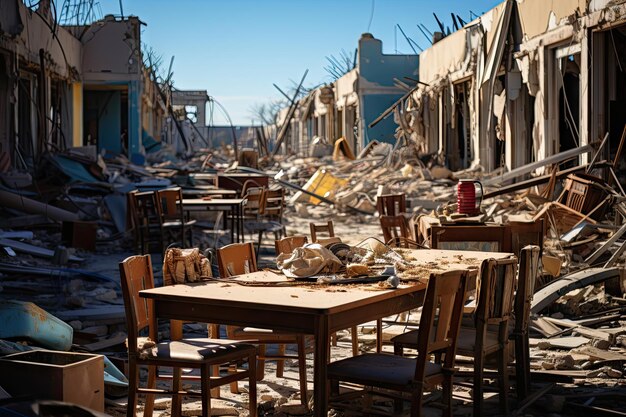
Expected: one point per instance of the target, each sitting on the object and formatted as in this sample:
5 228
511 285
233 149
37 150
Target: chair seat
254 333
466 342
378 368
177 223
198 350
408 339
262 226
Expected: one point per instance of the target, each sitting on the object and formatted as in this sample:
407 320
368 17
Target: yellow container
322 183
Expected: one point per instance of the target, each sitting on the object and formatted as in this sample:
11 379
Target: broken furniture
146 220
489 238
438 331
52 375
169 203
288 244
586 194
391 204
524 233
136 275
396 232
495 303
269 214
321 228
79 234
527 273
236 180
239 259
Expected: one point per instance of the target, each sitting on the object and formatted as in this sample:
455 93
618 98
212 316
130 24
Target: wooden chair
254 202
170 205
148 220
391 204
528 271
272 214
486 238
136 275
489 334
324 228
237 259
439 328
396 232
288 244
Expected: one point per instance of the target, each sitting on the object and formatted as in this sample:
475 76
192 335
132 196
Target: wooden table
233 206
201 192
300 309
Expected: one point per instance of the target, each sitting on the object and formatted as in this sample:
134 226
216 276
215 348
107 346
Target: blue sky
236 49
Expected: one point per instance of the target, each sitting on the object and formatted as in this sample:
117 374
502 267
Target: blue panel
373 106
134 117
110 122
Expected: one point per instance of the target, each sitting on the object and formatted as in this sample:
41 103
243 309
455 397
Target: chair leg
133 380
234 386
215 371
149 407
478 383
522 366
280 363
416 402
301 342
379 335
333 339
503 370
205 384
260 364
177 400
398 349
252 385
447 395
355 340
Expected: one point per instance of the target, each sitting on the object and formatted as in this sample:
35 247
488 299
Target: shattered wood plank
28 205
585 331
106 343
527 169
594 256
528 401
33 250
588 410
580 279
568 342
598 354
543 326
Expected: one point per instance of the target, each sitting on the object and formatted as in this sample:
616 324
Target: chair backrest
391 204
527 276
236 259
132 217
255 198
324 228
497 288
147 209
247 185
169 203
492 238
441 319
274 204
136 275
394 228
288 244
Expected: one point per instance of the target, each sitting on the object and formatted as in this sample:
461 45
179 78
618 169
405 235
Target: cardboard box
76 378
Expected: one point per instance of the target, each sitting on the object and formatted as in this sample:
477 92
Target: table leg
322 357
240 221
232 226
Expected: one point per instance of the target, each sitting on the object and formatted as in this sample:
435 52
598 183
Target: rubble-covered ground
578 342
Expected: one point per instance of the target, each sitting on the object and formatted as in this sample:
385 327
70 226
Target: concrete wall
376 86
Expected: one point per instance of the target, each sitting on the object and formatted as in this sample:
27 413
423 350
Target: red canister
466 197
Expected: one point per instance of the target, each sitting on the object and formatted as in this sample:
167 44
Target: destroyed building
526 80
347 106
77 85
